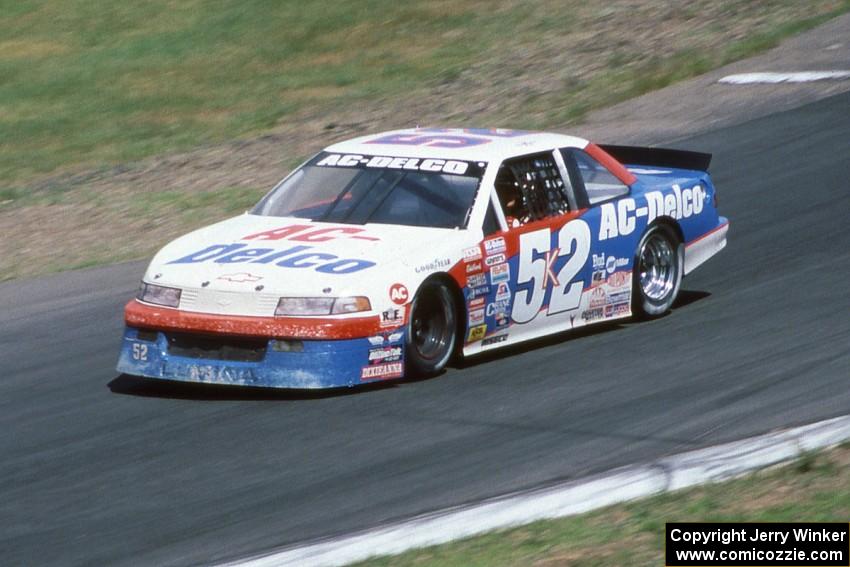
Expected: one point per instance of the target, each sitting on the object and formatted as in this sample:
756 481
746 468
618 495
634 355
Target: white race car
387 255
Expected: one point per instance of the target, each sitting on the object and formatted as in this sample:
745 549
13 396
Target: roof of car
458 143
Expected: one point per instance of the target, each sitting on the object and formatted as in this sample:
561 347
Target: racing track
103 470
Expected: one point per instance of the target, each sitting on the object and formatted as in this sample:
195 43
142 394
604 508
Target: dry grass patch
23 49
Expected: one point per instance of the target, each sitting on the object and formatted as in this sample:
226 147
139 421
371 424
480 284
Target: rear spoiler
658 157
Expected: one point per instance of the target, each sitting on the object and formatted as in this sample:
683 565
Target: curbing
774 78
712 464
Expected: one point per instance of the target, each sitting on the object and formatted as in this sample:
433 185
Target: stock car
387 255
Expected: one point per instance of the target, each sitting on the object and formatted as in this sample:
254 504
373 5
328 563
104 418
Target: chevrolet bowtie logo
240 277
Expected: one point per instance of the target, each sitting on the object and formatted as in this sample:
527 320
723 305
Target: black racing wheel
432 329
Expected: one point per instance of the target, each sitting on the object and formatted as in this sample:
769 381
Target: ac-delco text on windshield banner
760 544
428 165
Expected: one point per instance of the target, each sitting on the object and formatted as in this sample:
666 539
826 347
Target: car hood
270 257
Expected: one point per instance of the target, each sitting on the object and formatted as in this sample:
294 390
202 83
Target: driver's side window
530 188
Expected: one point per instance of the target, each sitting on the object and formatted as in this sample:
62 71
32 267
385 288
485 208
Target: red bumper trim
144 316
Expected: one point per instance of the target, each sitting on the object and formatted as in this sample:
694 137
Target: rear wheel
432 329
659 264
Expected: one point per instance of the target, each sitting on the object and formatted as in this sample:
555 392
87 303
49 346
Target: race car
388 255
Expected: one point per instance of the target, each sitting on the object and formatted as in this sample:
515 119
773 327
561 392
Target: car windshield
360 189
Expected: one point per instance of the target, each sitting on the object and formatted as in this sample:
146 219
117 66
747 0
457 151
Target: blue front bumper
307 364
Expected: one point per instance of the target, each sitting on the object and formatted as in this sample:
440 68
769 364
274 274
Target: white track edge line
712 464
792 77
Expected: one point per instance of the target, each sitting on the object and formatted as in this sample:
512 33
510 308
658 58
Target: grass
227 201
86 83
814 488
97 99
83 83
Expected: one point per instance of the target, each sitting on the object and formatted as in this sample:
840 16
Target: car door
548 268
534 263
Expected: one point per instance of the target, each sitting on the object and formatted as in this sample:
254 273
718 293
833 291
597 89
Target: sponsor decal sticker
477 333
620 218
500 273
393 317
503 292
494 340
476 317
385 354
476 280
436 264
479 291
219 374
382 371
612 263
474 267
598 278
598 261
498 307
493 260
494 245
300 256
616 310
398 294
450 166
593 314
619 297
308 233
605 270
618 279
477 302
598 297
472 253
500 311
391 338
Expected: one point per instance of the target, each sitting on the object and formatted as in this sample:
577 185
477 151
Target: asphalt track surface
98 469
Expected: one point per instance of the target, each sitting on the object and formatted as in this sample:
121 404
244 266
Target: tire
659 266
432 330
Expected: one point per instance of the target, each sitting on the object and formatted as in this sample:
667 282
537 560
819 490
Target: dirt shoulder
701 104
126 212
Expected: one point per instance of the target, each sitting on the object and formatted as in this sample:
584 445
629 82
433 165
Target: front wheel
659 262
432 330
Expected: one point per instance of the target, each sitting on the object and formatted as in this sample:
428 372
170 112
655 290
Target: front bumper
271 361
